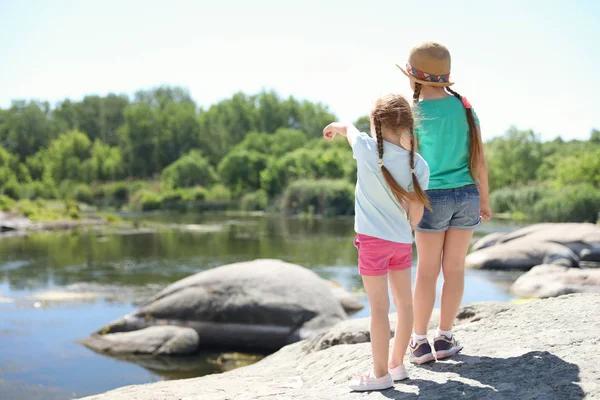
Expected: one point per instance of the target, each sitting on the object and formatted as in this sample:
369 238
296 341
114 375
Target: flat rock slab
155 340
544 349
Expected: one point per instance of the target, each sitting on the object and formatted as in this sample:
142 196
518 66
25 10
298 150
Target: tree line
159 150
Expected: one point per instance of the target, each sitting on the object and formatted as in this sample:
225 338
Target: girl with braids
449 139
390 184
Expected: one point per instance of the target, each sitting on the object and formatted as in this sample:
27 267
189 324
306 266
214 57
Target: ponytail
474 139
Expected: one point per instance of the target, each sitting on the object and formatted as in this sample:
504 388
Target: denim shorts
451 209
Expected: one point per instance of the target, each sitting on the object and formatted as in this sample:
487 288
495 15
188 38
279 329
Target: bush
6 203
577 203
36 211
324 197
146 200
38 190
12 189
72 209
116 194
255 201
219 194
190 170
197 194
119 192
521 199
82 193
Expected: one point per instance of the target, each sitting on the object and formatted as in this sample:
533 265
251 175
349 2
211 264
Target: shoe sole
399 377
382 386
440 355
424 359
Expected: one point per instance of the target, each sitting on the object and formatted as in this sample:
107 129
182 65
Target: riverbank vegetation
159 151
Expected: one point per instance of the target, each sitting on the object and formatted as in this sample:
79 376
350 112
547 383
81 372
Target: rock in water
259 305
564 244
554 280
522 254
487 241
155 340
542 350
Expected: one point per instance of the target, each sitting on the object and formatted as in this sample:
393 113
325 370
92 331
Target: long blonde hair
394 112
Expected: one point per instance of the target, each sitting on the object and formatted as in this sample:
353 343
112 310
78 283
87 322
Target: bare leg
429 248
379 301
400 283
453 266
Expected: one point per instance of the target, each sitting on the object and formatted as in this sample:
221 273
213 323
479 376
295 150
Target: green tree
178 131
285 140
513 159
26 127
139 137
65 156
595 137
582 168
193 169
241 170
106 162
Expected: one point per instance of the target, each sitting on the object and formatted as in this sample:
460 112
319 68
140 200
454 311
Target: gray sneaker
420 351
445 347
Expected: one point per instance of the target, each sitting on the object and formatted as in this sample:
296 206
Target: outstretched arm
349 131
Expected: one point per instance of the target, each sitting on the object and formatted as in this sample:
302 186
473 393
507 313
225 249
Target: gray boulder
538 350
155 340
487 241
260 305
348 301
522 254
565 244
562 233
555 280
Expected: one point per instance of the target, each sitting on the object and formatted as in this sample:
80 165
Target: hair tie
466 103
412 171
380 162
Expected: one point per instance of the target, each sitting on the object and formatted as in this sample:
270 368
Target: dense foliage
159 150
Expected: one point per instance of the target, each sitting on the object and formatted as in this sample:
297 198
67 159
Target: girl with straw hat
449 139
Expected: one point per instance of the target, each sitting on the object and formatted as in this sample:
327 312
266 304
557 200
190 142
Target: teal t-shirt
443 135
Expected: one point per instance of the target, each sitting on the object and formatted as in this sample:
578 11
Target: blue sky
532 63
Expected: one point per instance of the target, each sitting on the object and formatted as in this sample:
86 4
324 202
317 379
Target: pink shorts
377 256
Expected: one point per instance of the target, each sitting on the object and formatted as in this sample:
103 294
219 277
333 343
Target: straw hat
429 64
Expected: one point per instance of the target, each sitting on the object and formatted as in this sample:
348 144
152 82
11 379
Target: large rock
521 254
554 280
538 350
572 235
354 331
155 340
563 244
260 305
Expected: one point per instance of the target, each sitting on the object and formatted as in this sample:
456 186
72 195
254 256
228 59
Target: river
105 274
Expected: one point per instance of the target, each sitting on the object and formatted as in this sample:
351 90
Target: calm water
39 354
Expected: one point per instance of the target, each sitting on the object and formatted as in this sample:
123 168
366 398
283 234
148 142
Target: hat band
427 77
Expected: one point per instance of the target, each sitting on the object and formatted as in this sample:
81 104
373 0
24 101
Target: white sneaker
368 382
399 373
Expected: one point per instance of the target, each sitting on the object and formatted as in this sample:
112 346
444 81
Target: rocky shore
544 349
